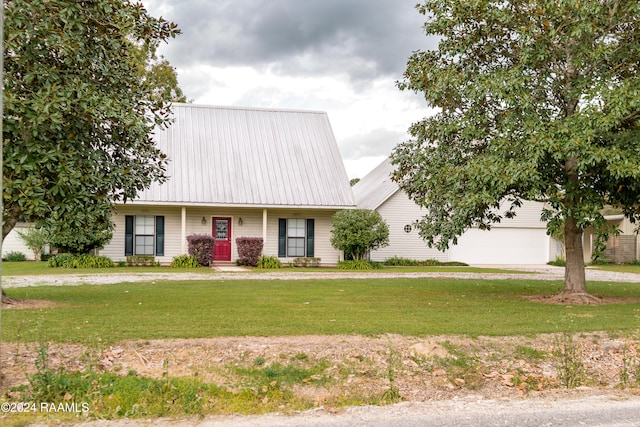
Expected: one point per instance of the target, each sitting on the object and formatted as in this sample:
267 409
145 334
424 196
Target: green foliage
372 306
529 108
15 256
265 262
79 261
568 360
558 262
359 265
86 232
359 231
184 261
35 239
78 116
406 262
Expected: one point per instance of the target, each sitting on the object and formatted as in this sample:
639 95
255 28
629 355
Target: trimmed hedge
201 248
249 250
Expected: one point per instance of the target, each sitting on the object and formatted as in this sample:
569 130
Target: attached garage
502 246
519 240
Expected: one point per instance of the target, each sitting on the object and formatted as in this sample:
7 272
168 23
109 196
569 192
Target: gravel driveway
543 272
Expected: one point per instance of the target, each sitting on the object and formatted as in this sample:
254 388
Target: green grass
625 268
138 311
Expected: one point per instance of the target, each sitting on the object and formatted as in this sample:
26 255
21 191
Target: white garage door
502 246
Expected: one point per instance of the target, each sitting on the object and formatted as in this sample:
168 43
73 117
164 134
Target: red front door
222 233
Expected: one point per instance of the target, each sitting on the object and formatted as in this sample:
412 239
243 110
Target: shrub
201 247
269 262
357 232
35 239
15 256
406 262
249 250
79 261
306 262
359 265
184 261
141 261
559 262
398 261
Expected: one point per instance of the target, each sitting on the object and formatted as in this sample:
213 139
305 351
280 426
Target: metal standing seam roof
247 156
376 187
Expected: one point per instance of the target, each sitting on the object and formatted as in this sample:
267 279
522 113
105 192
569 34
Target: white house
239 172
521 240
14 243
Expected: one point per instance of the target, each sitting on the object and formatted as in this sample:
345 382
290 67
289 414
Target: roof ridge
244 108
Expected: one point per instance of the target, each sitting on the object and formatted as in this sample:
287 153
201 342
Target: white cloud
338 56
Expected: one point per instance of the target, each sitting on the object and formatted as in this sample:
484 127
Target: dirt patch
419 368
562 299
27 304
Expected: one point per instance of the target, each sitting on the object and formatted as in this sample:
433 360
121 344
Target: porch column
183 233
264 227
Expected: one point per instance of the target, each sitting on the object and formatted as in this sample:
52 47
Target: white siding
251 227
13 242
322 240
502 246
399 211
527 216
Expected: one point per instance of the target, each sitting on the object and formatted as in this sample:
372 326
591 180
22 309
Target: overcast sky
338 56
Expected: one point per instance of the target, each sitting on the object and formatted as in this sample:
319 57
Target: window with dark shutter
282 237
128 235
160 236
310 237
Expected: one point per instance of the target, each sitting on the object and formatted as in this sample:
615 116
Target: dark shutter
310 237
128 235
282 238
160 236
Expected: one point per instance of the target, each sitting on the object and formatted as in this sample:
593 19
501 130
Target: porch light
239 221
204 221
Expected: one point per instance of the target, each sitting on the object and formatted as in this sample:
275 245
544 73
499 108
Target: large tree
78 111
537 100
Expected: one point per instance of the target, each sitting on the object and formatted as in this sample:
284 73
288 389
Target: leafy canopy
78 111
357 232
537 100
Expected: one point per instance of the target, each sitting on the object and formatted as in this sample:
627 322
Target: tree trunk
9 219
574 278
575 285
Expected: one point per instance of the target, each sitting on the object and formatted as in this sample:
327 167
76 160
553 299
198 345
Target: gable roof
231 156
376 187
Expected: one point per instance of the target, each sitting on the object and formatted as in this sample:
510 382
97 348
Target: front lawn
421 306
623 268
